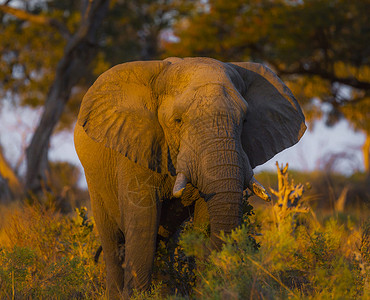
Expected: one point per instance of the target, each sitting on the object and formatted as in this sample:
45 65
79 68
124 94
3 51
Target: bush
49 255
299 256
283 251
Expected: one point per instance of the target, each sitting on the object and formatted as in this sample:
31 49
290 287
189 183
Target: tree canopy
34 34
51 51
320 47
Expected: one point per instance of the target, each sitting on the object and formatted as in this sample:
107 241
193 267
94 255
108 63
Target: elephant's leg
111 238
141 226
141 205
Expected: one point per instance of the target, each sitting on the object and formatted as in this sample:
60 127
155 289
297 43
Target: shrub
283 251
49 255
298 257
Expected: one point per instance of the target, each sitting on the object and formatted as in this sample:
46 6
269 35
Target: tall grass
47 255
281 251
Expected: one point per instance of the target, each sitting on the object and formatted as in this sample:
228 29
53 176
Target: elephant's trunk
212 159
222 181
225 211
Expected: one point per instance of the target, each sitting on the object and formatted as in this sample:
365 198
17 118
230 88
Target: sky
311 153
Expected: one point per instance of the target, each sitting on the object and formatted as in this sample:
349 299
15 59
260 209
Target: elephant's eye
178 120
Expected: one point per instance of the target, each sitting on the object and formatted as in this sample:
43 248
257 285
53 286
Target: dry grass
286 250
44 254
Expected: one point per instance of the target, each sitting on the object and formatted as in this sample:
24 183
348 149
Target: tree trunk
10 186
80 50
366 154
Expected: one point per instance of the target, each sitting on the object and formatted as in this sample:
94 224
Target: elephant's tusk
180 185
259 190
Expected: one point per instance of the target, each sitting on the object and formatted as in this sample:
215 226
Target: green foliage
133 28
174 269
295 256
184 259
49 256
30 50
29 56
154 293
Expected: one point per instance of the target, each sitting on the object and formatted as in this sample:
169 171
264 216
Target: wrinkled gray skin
156 138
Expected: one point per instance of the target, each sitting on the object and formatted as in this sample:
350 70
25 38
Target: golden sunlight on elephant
155 137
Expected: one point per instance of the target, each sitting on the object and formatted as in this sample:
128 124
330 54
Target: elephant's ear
274 118
120 111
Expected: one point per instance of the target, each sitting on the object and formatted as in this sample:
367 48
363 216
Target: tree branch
37 19
89 17
350 81
345 101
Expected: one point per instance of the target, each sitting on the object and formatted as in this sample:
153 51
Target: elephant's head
206 122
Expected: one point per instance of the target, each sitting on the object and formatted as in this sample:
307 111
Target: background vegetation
51 52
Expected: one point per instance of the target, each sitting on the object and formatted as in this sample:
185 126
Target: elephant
156 137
